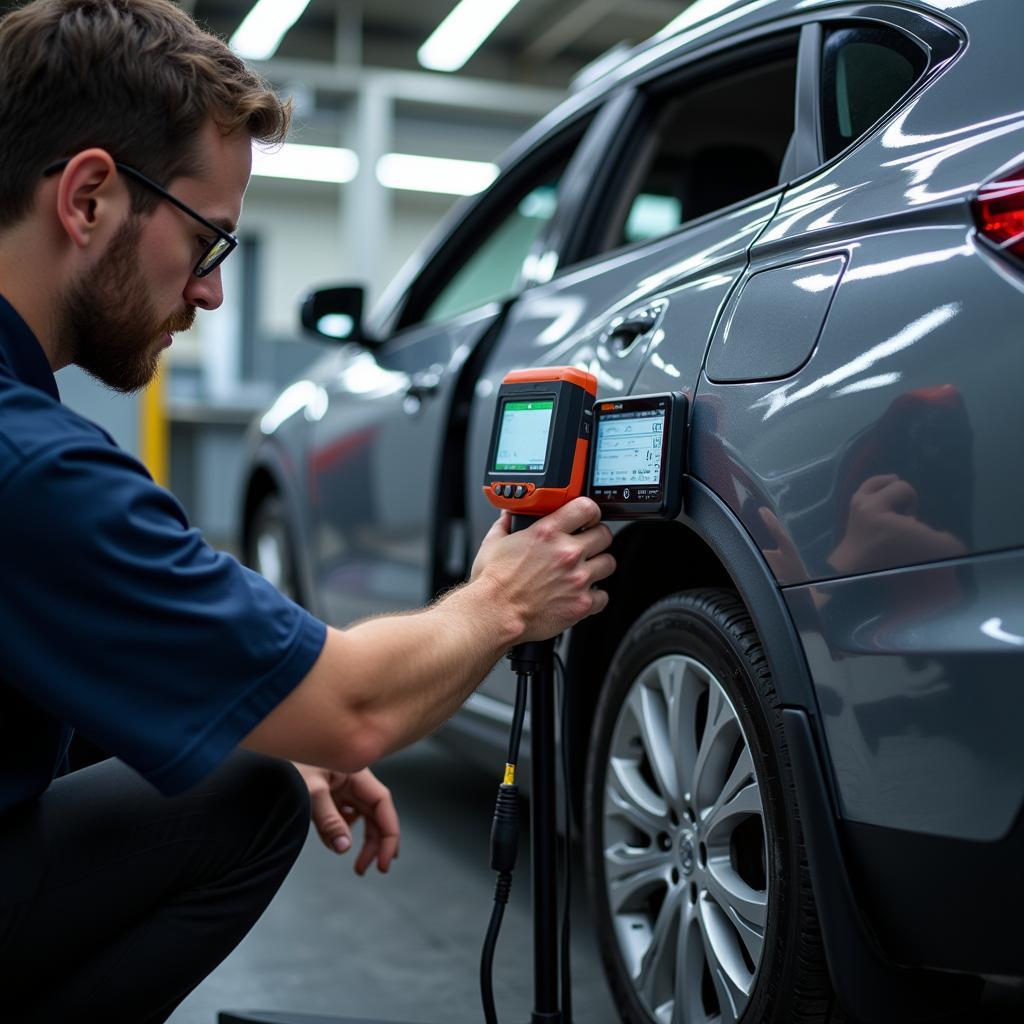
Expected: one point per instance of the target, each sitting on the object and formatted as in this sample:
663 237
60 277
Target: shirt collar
21 352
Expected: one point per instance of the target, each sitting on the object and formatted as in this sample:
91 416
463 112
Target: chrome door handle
625 331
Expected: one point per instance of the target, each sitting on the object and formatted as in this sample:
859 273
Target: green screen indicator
523 439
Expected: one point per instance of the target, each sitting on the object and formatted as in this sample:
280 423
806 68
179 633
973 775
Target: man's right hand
547 573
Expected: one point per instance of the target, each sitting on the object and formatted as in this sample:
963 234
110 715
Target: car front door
383 411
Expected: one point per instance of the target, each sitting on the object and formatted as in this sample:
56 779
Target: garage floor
406 946
402 946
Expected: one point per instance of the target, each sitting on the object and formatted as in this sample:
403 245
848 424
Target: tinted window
706 146
865 72
493 269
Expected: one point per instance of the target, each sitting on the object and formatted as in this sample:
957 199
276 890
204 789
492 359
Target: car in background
795 731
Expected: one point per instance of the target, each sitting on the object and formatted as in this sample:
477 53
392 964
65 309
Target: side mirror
335 314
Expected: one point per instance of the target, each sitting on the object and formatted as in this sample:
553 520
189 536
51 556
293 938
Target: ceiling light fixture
434 174
697 11
263 28
306 163
461 34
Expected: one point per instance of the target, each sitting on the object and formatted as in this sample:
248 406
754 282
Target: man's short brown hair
137 78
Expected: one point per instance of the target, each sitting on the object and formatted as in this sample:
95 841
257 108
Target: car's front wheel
693 845
270 550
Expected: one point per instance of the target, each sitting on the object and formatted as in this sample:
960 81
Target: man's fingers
594 540
368 853
601 567
576 515
500 527
600 601
332 828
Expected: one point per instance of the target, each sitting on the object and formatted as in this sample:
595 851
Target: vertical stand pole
544 849
537 658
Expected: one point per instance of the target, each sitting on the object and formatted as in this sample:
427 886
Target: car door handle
625 331
423 384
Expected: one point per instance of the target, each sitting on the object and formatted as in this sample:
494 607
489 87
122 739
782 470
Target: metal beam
457 91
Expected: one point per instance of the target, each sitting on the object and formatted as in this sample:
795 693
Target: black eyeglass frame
225 238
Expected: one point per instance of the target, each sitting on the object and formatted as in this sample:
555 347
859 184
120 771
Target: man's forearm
404 676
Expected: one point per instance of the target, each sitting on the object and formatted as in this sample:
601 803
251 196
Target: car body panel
918 673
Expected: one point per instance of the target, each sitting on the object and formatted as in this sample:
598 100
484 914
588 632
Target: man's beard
108 324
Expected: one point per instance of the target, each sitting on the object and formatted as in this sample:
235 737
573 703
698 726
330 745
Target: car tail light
999 212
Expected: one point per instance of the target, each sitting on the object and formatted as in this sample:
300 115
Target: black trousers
115 902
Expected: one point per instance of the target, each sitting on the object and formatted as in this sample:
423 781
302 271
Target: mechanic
126 148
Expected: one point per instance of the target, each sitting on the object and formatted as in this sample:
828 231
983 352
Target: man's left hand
339 799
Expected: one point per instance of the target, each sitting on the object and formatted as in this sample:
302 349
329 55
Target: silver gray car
796 732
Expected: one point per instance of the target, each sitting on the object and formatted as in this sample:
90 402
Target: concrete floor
403 946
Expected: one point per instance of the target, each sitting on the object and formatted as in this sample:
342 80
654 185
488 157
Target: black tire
270 548
679 639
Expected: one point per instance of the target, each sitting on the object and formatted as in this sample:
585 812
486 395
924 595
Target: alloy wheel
684 846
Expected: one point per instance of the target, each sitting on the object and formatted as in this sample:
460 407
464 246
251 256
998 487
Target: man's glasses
219 248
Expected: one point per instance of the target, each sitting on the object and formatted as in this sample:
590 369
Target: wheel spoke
658 961
648 709
633 879
720 733
687 1005
730 809
745 907
628 796
685 689
729 975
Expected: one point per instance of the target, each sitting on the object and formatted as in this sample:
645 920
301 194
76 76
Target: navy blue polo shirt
116 618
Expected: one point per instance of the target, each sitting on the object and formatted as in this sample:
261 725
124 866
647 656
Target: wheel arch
706 546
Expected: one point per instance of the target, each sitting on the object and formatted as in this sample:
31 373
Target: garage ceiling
543 42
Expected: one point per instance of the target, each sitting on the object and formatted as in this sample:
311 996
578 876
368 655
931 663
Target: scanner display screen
523 438
629 449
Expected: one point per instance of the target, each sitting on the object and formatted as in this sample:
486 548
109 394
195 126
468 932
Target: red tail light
999 212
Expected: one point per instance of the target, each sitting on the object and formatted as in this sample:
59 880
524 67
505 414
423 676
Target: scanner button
520 490
506 491
497 489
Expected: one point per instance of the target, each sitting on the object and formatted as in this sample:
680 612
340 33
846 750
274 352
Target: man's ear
91 197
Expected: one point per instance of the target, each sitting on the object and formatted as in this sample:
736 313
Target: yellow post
154 436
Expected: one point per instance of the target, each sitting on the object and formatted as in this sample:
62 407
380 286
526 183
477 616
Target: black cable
518 714
567 844
504 847
487 956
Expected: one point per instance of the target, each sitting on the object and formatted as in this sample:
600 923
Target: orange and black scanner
533 466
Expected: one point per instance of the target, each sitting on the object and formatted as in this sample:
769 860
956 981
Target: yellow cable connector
510 774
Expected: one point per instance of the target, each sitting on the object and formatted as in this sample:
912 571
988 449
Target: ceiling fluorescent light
263 28
461 34
306 163
697 11
434 174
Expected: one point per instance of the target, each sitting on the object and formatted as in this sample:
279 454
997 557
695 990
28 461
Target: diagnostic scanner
636 469
541 438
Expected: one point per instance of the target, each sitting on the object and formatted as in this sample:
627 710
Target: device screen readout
523 440
629 448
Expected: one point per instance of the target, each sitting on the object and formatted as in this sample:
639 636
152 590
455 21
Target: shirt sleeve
121 621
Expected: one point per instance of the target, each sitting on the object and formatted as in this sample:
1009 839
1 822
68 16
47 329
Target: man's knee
270 796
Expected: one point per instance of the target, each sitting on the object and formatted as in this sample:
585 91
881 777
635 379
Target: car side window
708 143
493 246
491 272
866 70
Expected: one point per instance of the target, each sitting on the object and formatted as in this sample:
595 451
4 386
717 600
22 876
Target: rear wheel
694 853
